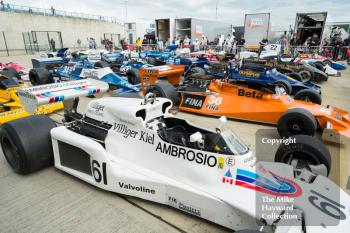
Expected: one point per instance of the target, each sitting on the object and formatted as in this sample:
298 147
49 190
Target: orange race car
214 97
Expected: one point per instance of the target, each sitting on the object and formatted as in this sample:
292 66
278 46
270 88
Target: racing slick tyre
296 76
308 95
306 150
23 154
133 76
306 75
39 76
196 70
296 121
282 87
164 89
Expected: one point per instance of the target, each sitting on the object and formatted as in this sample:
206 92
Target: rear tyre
165 90
306 150
133 76
196 70
296 121
282 87
39 76
24 153
308 95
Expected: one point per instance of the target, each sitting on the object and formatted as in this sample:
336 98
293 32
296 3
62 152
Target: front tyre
296 121
304 151
165 90
26 143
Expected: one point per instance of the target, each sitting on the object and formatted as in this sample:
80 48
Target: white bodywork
134 159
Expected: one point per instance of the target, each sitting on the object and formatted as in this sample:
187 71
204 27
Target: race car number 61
97 173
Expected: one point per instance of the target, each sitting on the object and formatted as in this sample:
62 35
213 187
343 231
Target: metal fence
53 12
11 43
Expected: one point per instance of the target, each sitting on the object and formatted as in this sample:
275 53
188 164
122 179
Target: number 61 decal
99 173
327 206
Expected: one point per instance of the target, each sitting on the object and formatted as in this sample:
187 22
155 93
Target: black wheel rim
296 127
304 159
10 152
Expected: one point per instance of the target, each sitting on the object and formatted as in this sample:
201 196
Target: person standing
79 43
53 44
91 43
263 43
177 42
138 45
315 41
187 42
283 42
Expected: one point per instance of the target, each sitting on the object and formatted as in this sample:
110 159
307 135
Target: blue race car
270 79
78 69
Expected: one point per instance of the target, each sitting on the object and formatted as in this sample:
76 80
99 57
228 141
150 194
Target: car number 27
99 171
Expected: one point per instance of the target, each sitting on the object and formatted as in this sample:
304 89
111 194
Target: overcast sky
231 11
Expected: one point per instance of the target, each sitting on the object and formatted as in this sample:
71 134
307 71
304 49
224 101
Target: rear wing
33 97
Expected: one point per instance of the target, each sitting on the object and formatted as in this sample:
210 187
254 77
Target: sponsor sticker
193 101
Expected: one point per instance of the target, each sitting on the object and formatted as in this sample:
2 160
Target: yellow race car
10 104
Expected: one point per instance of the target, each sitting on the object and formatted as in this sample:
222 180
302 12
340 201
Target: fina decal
227 178
279 187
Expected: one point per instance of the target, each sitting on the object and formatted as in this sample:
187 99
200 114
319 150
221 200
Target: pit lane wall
13 24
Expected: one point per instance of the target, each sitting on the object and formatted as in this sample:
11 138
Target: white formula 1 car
135 147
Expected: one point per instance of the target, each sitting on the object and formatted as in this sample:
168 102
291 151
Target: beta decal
193 101
187 154
280 186
251 94
140 188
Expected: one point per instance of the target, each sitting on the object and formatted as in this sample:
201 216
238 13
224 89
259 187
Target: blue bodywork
266 78
112 57
338 66
74 69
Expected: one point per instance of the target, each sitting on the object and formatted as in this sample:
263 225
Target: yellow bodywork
12 109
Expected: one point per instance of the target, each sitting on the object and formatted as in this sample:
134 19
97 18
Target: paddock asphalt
53 201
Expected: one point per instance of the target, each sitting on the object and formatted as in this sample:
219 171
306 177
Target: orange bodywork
150 75
232 101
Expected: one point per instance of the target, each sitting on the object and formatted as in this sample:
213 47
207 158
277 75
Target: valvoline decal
280 186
